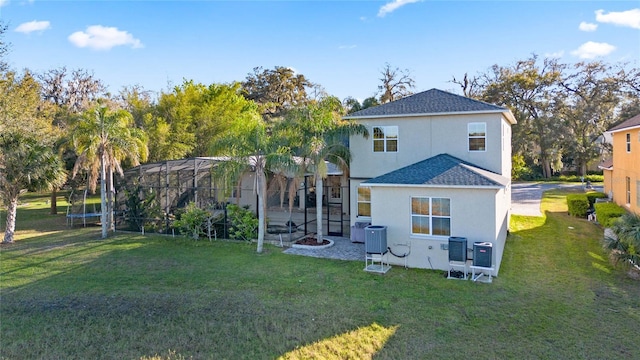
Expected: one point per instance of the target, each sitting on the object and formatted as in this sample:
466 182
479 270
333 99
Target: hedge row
608 213
593 195
578 204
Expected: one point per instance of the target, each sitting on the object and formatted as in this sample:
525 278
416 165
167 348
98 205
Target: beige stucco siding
626 164
473 215
420 138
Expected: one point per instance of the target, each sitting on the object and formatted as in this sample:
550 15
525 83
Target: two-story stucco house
622 173
436 165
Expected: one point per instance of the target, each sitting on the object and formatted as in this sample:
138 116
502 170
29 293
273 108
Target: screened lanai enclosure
151 196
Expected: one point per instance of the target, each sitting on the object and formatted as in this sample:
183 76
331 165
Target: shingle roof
630 123
432 101
442 170
606 164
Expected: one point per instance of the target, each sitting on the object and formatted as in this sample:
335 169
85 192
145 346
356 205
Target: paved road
526 196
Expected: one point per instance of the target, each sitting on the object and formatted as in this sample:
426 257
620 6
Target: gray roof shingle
442 170
432 101
629 123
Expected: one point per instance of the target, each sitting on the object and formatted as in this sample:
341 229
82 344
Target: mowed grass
66 294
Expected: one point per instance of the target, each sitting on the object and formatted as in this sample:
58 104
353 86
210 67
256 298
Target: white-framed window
430 216
334 188
385 139
477 136
638 193
628 191
628 142
236 191
364 201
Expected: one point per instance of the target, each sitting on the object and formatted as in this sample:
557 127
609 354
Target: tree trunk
103 199
54 201
583 169
110 200
546 167
262 207
10 227
319 234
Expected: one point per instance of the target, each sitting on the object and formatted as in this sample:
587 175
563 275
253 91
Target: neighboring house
436 165
622 174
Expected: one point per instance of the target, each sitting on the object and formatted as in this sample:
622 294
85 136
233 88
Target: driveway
526 196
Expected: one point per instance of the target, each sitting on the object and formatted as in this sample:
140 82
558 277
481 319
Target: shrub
578 204
520 170
593 195
244 223
626 243
143 209
193 221
594 178
608 213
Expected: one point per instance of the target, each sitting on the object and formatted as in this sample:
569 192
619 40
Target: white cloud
32 26
100 37
393 6
591 50
629 18
585 26
3 2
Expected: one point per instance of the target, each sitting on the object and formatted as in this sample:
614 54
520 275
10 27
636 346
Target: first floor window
335 190
430 216
364 201
236 191
628 190
638 193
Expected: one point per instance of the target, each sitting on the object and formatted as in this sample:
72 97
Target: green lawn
65 294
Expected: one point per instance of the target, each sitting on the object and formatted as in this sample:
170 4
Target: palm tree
103 139
250 147
319 134
25 164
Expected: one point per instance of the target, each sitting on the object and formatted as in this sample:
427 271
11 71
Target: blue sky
341 45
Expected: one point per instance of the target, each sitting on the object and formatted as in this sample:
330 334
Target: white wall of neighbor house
473 215
506 148
420 138
502 219
246 195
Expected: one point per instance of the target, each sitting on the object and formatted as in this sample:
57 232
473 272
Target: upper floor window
364 201
385 139
430 216
477 136
628 142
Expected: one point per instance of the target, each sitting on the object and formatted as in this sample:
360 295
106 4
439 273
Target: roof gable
430 102
442 170
627 124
